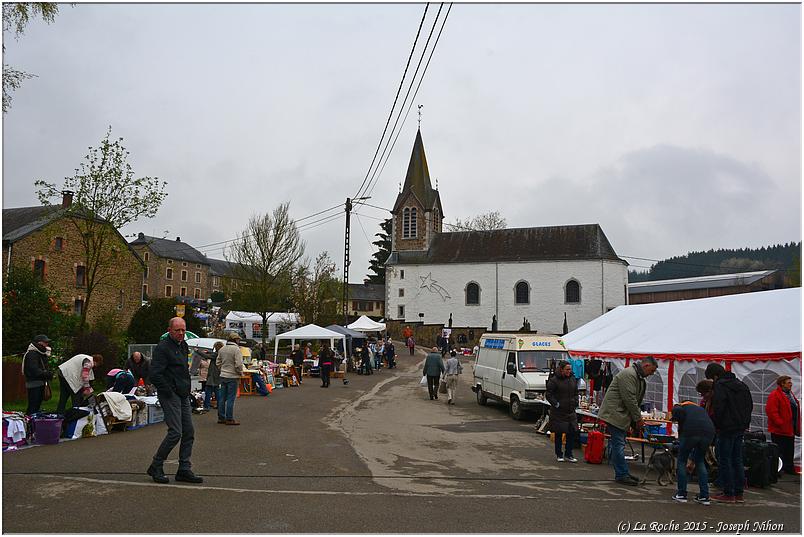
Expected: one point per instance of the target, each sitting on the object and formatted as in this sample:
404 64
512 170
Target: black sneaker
702 501
626 481
188 476
158 475
681 497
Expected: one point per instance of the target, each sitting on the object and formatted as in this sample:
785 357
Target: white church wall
438 290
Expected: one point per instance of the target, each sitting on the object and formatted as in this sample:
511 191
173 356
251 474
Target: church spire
417 179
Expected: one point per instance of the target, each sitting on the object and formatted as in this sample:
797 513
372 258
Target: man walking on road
433 367
171 376
620 409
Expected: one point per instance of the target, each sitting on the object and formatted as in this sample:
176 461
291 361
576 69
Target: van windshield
539 360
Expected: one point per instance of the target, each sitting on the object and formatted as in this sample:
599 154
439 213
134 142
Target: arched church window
572 292
413 226
435 219
472 294
405 223
522 293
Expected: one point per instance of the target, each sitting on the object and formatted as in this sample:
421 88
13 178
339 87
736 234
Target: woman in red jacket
784 420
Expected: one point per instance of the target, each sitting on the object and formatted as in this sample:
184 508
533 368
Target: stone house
172 268
366 299
47 240
469 278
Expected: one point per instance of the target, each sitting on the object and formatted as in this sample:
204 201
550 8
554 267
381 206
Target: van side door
509 381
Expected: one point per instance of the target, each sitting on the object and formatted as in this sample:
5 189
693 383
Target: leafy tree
217 296
151 321
264 255
316 290
378 259
482 222
15 18
107 197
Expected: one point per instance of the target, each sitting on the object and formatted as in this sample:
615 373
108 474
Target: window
121 300
413 223
146 257
402 274
472 294
39 269
78 306
400 311
197 265
409 223
184 263
197 277
146 271
216 281
183 291
145 291
572 292
378 305
401 292
169 261
80 276
58 244
197 293
169 274
522 293
168 290
435 219
184 275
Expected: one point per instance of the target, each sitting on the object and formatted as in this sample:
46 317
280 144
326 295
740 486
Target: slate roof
699 282
371 291
171 249
417 180
20 221
581 242
219 267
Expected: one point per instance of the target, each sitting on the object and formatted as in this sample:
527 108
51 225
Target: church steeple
417 213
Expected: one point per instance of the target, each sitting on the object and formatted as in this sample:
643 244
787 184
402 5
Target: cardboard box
155 414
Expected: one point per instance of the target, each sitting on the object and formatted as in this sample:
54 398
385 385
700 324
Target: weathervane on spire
420 115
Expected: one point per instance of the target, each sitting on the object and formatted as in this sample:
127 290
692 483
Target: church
539 275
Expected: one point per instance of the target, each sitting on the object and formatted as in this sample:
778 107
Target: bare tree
482 222
264 255
316 290
106 197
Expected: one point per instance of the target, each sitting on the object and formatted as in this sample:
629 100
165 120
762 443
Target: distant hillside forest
780 256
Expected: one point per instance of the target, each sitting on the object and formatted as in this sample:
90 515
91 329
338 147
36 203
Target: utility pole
346 261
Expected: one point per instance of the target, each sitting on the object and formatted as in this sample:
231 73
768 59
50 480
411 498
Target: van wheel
481 397
516 408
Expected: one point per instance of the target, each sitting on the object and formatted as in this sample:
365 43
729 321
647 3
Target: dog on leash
664 462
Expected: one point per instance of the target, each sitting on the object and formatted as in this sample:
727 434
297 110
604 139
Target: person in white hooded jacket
75 376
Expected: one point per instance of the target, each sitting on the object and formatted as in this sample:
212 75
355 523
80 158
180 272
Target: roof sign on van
494 343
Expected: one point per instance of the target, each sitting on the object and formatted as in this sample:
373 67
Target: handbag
47 393
442 386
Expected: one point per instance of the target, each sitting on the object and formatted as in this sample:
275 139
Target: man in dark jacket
138 365
34 367
171 376
433 367
732 405
695 434
562 394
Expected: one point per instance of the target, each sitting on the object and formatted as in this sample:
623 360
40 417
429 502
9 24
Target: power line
391 113
373 250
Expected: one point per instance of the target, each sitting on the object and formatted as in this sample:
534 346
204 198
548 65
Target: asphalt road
373 456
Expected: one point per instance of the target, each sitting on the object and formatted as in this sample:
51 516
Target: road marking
359 493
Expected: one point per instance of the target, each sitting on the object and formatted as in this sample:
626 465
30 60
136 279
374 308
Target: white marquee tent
757 336
364 324
309 332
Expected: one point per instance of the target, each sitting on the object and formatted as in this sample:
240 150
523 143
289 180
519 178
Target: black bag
755 435
773 462
755 458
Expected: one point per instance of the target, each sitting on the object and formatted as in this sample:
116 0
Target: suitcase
756 462
773 462
594 448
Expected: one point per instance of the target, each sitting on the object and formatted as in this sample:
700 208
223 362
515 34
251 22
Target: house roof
20 221
363 291
580 242
172 249
417 180
219 267
699 282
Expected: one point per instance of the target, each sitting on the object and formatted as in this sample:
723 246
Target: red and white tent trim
757 336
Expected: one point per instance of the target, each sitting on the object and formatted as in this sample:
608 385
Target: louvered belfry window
409 223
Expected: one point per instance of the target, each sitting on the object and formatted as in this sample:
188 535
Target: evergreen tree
383 244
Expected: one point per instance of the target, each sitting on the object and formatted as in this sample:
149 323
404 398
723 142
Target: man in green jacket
621 409
433 367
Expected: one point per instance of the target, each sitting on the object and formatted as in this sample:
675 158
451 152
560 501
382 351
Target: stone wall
119 293
427 334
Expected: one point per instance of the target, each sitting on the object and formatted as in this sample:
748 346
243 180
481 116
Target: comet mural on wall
432 285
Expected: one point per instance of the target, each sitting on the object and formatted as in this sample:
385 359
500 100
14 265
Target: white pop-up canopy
756 336
307 332
364 324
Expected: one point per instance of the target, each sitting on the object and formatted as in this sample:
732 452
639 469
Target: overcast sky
675 127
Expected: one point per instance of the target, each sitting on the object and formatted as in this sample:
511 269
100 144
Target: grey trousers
179 421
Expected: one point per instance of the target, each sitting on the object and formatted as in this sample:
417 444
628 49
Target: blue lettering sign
494 343
540 344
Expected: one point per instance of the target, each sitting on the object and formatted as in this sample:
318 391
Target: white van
513 369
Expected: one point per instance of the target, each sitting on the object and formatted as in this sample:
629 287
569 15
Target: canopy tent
364 324
251 323
757 336
309 332
350 335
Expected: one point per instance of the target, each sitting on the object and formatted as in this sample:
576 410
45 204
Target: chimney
141 235
66 198
178 239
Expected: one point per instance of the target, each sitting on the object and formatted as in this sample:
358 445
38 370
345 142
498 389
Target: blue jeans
697 446
226 401
259 382
377 360
730 463
208 391
617 446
